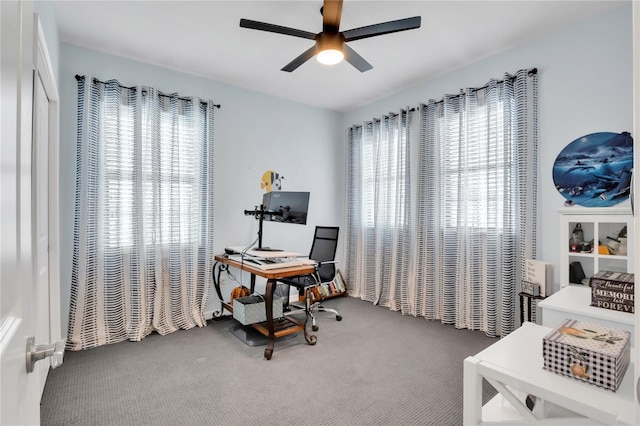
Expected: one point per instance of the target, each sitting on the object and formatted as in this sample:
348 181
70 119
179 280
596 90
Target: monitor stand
252 337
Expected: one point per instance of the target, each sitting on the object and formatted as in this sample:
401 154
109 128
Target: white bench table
513 365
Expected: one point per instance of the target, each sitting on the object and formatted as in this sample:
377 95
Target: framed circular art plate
595 170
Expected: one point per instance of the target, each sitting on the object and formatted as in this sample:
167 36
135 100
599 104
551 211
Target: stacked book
333 287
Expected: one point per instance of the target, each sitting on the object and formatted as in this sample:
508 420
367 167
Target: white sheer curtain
379 220
475 208
143 216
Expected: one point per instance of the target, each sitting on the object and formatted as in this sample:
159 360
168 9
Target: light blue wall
585 75
253 133
585 86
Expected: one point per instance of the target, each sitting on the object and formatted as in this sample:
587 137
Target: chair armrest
326 262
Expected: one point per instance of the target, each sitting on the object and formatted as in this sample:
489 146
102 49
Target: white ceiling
204 38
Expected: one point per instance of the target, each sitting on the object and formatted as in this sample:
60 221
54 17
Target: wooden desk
270 328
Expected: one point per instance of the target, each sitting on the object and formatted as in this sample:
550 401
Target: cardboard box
251 309
613 290
588 352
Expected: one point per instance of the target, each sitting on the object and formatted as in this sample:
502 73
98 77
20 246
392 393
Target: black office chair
323 251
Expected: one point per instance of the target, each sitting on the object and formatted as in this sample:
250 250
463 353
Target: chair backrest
323 249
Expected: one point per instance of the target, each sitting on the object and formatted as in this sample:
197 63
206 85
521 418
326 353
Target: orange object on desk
603 249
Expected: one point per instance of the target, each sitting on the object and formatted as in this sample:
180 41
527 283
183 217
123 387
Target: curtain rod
82 77
390 114
532 71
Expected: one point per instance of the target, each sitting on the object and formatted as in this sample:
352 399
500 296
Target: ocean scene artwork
595 170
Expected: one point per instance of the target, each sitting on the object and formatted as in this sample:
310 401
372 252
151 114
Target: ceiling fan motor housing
326 41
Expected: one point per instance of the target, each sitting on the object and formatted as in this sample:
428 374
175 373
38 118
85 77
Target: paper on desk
264 254
266 264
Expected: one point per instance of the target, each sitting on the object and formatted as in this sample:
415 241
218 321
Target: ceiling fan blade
263 26
382 28
356 60
331 13
304 57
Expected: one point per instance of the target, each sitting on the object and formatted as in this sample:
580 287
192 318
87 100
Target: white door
19 395
29 242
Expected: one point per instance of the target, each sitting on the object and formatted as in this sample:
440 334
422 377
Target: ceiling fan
331 47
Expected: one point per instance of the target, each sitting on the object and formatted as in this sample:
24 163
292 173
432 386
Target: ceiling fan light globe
330 56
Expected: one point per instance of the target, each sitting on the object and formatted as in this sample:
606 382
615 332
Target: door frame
43 68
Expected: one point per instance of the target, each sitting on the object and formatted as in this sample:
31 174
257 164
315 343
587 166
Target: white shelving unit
574 302
597 225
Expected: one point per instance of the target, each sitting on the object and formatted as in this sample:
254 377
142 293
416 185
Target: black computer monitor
289 206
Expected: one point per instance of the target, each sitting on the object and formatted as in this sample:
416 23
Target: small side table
530 298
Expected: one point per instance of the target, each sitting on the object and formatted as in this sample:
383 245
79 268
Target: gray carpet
375 367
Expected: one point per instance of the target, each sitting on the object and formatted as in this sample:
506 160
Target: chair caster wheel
314 327
338 317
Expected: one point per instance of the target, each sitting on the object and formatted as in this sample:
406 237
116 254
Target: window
384 168
165 157
475 165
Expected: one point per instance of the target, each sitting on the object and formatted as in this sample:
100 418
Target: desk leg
221 267
268 300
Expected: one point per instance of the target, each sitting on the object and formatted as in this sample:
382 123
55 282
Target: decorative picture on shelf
595 170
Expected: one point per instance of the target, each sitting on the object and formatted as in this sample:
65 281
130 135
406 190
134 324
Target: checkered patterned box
588 352
251 309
